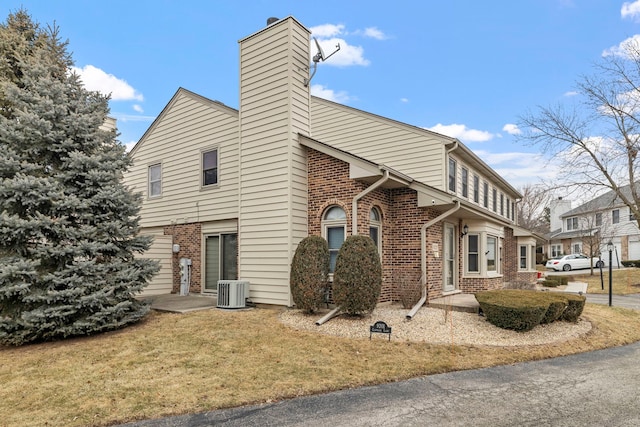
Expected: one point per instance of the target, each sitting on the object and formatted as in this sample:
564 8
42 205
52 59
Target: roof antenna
320 56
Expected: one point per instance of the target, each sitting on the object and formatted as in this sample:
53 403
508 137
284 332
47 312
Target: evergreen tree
68 225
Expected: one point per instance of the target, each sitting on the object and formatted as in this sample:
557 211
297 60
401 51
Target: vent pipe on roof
272 20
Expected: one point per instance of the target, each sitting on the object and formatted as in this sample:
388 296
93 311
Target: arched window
375 228
334 227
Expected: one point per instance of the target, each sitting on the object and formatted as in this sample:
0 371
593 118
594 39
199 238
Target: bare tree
597 138
533 209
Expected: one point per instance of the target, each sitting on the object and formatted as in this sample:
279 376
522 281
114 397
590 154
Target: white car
573 262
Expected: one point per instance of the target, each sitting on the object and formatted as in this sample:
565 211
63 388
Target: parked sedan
573 262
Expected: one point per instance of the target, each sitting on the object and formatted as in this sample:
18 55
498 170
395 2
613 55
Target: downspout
423 256
354 204
354 229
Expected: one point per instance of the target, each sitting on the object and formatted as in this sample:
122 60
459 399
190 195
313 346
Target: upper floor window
501 204
476 189
334 225
485 190
155 180
465 182
375 225
452 175
508 208
615 216
598 219
513 211
572 223
495 200
210 167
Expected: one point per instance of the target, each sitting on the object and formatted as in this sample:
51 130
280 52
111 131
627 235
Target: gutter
354 230
423 256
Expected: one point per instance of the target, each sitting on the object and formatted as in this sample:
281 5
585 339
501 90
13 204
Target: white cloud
348 54
520 168
129 145
97 80
330 36
631 10
138 108
405 100
374 33
132 117
627 46
511 129
571 93
323 92
327 30
462 132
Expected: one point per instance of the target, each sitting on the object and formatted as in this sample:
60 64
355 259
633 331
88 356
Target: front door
449 269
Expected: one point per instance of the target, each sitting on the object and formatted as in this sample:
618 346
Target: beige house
237 189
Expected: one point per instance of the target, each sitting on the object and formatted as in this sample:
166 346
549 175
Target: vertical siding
274 107
189 125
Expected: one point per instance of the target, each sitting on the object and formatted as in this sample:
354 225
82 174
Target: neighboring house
589 227
238 189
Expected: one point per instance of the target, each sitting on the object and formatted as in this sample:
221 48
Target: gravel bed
436 326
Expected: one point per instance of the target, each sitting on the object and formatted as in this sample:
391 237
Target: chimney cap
272 20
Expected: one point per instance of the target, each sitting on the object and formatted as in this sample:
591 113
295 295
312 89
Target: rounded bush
357 280
309 273
514 309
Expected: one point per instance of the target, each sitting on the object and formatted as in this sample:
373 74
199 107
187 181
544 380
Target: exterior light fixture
465 230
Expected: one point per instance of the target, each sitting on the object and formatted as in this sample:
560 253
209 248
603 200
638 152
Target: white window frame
465 181
495 270
334 223
151 194
476 188
202 169
556 250
615 216
375 221
485 199
572 223
453 179
468 254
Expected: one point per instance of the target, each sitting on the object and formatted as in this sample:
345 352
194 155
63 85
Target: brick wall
329 184
510 256
188 236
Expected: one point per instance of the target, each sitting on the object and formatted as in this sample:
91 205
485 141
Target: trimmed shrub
557 305
518 310
357 280
574 309
309 273
555 281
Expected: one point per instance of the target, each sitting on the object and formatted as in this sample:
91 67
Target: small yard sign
380 327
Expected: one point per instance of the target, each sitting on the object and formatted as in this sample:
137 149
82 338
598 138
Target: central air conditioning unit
232 293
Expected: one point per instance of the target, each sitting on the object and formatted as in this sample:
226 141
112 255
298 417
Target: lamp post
610 249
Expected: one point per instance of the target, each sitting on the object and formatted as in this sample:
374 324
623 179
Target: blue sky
464 68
